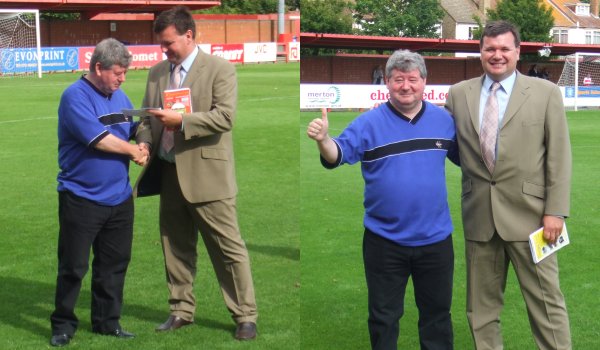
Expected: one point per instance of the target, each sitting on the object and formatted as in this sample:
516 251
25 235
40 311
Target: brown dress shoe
173 323
245 331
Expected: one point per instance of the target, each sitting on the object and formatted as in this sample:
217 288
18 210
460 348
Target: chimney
594 7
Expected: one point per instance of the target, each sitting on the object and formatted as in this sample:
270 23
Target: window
592 37
582 10
588 36
471 31
560 36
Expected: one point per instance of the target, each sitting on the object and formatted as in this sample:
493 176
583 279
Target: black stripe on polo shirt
98 138
338 161
406 147
115 118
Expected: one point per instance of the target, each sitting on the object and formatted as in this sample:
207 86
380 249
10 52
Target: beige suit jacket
204 149
532 175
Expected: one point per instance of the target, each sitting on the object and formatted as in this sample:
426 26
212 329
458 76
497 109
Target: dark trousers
387 268
109 232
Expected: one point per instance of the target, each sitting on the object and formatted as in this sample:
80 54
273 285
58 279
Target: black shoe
119 333
60 340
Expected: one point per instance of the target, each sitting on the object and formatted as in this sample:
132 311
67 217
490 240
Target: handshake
140 153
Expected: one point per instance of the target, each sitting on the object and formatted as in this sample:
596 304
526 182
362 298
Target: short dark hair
110 52
494 28
178 16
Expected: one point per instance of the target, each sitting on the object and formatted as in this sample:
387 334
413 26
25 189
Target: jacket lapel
473 95
163 80
519 95
195 70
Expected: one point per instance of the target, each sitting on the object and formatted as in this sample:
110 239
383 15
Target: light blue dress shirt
502 94
185 68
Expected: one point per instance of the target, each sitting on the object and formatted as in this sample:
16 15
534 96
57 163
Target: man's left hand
553 226
169 118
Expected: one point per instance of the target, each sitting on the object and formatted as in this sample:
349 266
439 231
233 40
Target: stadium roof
91 8
349 41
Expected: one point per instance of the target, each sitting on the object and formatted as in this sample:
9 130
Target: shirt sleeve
351 143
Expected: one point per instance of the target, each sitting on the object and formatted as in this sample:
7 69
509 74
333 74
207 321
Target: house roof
564 15
350 41
462 11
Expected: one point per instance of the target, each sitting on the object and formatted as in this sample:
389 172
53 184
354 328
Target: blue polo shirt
403 166
86 116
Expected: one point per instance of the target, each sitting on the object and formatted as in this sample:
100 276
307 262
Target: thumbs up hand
318 128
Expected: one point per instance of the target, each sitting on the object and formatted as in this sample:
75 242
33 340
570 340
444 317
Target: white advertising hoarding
358 96
206 48
353 96
260 52
294 51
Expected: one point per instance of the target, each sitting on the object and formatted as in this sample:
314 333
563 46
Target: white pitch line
25 120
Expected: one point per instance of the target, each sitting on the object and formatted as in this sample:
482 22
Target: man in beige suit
191 165
520 183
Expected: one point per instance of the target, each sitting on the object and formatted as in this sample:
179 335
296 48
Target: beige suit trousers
487 267
180 222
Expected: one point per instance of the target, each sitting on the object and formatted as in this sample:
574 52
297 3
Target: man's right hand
139 154
318 128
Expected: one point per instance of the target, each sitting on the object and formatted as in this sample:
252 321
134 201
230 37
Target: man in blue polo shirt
402 146
94 195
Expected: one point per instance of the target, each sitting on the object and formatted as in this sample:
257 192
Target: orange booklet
178 99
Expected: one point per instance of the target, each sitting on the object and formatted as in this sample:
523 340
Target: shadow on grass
158 316
284 252
27 305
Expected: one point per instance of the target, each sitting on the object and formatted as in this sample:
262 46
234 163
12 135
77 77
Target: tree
408 18
532 17
325 16
59 16
251 7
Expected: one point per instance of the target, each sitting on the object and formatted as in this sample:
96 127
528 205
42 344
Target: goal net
20 51
580 80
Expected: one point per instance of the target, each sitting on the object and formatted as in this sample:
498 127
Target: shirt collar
506 84
87 81
187 62
399 114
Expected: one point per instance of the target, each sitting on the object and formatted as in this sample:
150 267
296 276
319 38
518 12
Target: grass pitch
285 196
334 295
266 147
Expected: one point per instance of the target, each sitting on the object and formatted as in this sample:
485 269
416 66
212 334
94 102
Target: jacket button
493 183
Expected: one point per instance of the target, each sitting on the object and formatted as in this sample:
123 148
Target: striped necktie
489 129
167 140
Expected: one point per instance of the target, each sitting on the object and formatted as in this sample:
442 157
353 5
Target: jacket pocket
534 190
214 153
532 122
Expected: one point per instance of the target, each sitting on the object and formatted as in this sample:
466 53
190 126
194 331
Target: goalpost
580 79
20 48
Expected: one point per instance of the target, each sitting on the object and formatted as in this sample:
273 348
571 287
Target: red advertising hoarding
144 56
